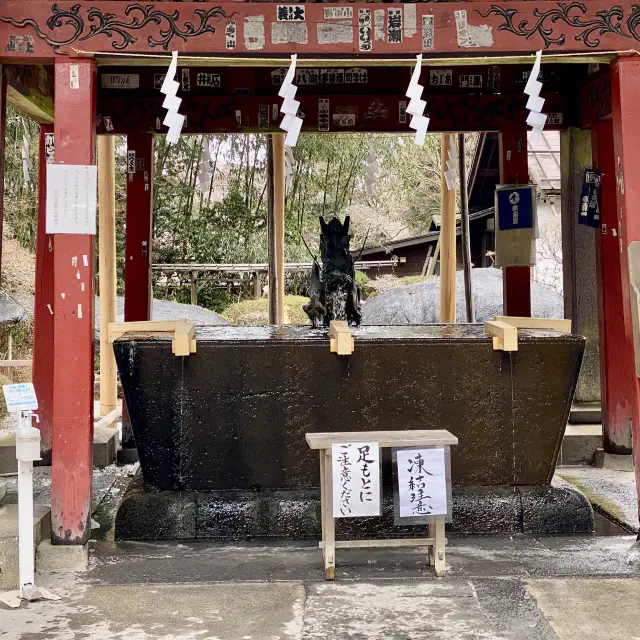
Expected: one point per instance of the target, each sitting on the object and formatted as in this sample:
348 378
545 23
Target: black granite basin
234 414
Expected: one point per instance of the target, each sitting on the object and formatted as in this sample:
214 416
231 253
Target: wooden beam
555 324
183 342
340 338
505 336
272 273
447 242
38 31
279 204
107 270
464 223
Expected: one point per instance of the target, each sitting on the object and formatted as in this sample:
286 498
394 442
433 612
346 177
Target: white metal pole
25 525
25 516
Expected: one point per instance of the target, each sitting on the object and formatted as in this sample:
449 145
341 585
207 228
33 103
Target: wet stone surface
233 415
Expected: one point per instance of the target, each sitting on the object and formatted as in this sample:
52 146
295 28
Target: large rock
164 310
420 303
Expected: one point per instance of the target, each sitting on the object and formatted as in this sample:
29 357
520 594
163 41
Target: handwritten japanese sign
356 479
422 483
72 198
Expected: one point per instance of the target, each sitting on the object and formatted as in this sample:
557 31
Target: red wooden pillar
3 129
617 378
514 169
71 469
137 266
625 103
44 303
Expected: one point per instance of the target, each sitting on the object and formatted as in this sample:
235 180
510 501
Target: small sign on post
20 397
72 198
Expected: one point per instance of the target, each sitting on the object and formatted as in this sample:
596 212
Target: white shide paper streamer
419 122
170 86
536 119
290 123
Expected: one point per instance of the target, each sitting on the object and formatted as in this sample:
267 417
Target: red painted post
137 267
42 316
73 329
617 366
625 103
514 169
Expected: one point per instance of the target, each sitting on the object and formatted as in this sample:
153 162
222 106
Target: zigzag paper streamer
204 175
419 122
370 173
173 119
290 123
536 119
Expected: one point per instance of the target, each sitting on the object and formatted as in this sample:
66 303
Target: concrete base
9 540
580 443
585 413
612 461
294 515
61 558
105 446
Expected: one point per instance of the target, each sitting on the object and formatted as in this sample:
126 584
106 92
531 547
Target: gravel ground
420 303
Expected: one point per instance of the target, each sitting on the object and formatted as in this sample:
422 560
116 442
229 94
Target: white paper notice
356 479
72 194
422 483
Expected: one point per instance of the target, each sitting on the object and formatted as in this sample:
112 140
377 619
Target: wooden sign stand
436 541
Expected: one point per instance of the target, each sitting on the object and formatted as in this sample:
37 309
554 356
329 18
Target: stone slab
611 492
586 413
61 558
146 514
588 608
105 446
8 460
604 460
9 540
580 443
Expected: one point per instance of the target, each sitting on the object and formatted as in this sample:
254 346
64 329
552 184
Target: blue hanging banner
515 207
589 213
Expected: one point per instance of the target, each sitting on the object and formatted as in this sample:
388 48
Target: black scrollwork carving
572 15
110 25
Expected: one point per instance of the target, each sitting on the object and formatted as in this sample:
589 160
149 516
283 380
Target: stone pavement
497 588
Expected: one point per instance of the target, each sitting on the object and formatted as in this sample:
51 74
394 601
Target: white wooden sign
72 198
20 397
356 479
422 483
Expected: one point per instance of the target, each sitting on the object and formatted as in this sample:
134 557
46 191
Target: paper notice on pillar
356 479
72 198
422 482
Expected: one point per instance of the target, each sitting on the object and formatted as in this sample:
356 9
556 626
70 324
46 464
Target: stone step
9 540
105 446
585 413
580 443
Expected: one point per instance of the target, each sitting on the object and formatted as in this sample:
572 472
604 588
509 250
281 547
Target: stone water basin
234 414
